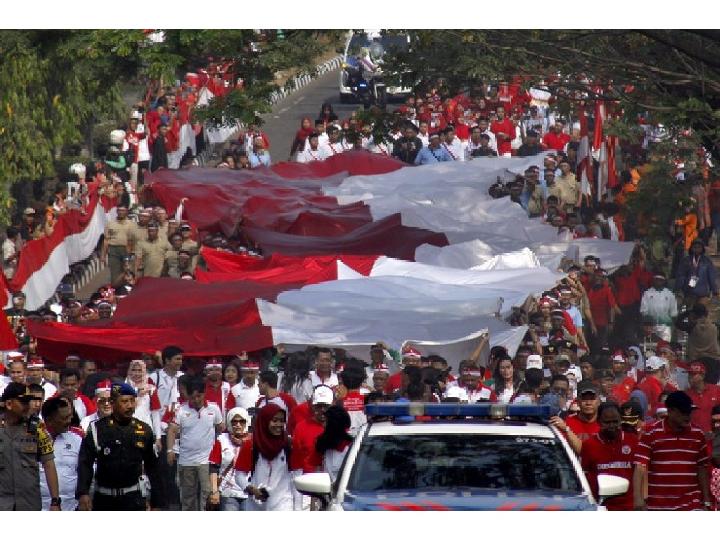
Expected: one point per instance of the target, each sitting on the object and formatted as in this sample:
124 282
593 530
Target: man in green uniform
23 444
120 445
118 241
151 253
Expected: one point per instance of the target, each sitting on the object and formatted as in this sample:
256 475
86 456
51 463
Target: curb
300 81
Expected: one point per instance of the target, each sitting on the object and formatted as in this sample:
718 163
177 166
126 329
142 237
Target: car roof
512 429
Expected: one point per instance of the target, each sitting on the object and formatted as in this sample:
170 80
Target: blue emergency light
492 411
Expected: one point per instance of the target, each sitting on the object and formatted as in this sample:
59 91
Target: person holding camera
23 444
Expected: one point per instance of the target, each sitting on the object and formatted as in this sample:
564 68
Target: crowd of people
626 362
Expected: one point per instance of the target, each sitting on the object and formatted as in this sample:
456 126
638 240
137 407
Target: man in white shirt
424 133
103 402
247 391
454 146
10 252
334 145
34 375
197 424
660 304
312 150
322 134
57 414
484 126
166 382
323 373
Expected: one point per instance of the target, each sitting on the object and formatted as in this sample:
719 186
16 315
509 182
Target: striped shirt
672 460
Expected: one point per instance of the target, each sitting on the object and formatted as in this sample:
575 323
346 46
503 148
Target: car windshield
448 461
389 43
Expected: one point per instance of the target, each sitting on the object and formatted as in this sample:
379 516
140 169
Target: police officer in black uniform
120 444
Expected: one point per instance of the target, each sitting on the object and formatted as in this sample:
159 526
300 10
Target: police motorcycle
365 78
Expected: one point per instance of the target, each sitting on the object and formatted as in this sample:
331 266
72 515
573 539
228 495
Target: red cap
247 366
383 368
103 386
35 362
410 352
214 362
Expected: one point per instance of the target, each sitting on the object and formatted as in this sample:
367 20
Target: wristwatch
55 501
708 504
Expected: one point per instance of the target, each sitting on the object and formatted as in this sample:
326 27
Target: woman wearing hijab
332 445
298 145
147 404
262 469
224 454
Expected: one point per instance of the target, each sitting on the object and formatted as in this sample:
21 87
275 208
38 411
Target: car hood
470 499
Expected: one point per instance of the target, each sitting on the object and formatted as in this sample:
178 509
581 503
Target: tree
56 85
670 77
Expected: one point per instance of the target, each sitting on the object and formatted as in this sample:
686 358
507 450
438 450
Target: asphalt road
284 120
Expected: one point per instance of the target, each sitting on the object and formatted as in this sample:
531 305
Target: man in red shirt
704 396
672 459
410 357
653 383
217 391
581 426
504 131
610 451
623 384
603 308
307 431
555 139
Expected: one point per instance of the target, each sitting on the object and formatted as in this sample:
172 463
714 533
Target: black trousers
131 501
168 476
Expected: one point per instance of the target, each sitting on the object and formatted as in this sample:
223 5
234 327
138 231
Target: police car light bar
495 411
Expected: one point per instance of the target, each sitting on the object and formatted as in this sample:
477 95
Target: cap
680 401
382 368
696 368
35 362
323 395
562 358
122 389
655 362
618 358
534 361
15 355
586 387
103 386
214 362
410 352
16 390
434 135
250 366
29 211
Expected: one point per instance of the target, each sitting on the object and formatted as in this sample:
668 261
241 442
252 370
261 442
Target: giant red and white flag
357 249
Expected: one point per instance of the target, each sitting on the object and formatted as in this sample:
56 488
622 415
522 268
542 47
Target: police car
421 456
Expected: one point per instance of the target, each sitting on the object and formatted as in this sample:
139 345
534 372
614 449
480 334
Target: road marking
298 100
284 109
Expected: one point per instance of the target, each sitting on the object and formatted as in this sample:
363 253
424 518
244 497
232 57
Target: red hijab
268 446
303 133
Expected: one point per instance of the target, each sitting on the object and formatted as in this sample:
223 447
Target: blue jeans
232 504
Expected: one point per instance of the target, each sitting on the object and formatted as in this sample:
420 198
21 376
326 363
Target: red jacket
304 437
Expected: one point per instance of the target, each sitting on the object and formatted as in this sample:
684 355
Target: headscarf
304 133
142 387
266 444
232 413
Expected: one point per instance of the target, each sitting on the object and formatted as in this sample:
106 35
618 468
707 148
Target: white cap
534 361
655 362
323 395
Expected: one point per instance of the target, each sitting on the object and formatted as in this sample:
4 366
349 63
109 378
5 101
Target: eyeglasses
238 421
104 401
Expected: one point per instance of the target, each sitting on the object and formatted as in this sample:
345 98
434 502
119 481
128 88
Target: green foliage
56 85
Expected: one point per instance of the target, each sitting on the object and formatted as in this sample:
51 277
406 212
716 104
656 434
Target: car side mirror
314 484
611 486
